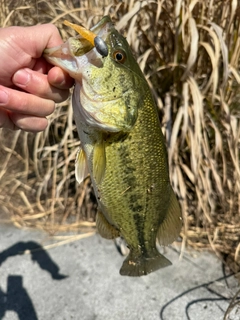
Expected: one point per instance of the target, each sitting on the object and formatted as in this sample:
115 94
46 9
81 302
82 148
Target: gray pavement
80 280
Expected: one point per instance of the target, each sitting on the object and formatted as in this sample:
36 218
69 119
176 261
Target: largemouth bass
122 146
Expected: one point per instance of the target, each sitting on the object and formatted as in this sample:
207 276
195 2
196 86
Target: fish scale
122 146
147 171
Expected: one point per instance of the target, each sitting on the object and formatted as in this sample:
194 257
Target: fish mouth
71 55
102 27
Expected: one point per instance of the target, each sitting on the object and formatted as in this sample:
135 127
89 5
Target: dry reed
190 53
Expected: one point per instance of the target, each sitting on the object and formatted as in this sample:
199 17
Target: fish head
109 83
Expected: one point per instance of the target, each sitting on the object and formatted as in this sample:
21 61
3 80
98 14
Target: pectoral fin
105 229
171 226
99 161
81 168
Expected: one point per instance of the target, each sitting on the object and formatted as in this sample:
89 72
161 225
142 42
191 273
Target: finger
40 37
15 121
59 78
5 120
28 123
37 84
25 103
42 66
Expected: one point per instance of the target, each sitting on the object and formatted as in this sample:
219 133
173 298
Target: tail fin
136 265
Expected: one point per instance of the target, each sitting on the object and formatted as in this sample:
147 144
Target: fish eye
119 56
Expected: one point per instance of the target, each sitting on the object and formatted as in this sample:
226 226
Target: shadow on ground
16 298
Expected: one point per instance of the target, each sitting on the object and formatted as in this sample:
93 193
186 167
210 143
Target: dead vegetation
190 53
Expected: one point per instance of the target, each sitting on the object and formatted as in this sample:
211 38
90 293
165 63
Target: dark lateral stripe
139 223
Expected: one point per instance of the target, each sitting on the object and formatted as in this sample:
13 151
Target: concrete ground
80 280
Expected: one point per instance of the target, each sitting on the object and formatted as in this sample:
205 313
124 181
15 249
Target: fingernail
21 77
3 97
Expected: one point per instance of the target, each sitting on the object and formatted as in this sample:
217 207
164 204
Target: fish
122 145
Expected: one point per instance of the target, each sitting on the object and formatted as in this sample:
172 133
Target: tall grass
190 54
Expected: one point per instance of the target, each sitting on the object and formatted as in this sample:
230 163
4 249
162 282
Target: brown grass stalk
190 54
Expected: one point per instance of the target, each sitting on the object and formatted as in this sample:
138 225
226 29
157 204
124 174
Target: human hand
29 85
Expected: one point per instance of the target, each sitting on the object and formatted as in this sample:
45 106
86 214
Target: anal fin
172 224
105 229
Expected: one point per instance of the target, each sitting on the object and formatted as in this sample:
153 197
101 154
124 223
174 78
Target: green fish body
122 147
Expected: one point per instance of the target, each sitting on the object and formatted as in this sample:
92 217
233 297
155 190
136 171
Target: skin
29 85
